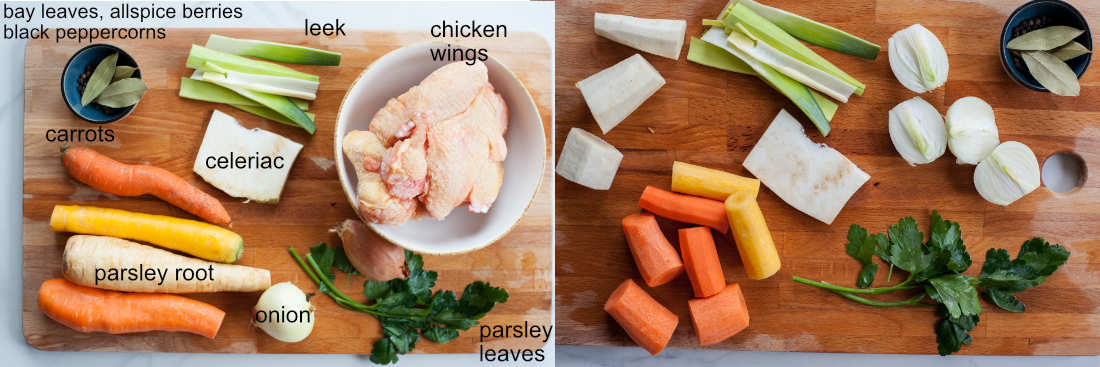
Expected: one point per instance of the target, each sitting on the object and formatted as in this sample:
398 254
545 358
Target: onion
284 313
1007 174
917 130
971 130
918 59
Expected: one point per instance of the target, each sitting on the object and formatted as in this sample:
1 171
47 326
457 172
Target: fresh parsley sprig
405 308
935 269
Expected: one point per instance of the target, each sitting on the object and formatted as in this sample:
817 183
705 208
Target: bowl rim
125 112
338 154
1006 60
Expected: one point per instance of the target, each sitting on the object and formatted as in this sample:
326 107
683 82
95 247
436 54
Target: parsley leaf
952 333
905 249
1004 300
862 247
957 293
1002 277
946 245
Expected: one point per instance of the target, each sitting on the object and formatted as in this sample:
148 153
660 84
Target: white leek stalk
1007 174
918 132
918 59
971 130
661 37
751 44
278 85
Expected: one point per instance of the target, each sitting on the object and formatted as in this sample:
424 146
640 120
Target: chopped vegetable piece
719 317
1009 173
710 183
92 310
261 181
754 46
267 113
971 130
705 53
917 131
826 179
918 59
89 261
614 93
656 259
200 57
203 240
813 32
273 51
588 160
279 104
661 37
750 232
701 261
684 208
277 85
645 320
778 38
197 89
113 177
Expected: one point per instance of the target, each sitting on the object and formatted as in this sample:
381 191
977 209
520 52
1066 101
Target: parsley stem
912 301
879 290
301 263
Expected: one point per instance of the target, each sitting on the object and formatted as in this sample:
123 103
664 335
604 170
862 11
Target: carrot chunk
685 208
645 320
701 261
656 259
718 317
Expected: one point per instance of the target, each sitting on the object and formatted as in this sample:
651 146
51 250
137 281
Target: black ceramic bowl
83 62
1038 14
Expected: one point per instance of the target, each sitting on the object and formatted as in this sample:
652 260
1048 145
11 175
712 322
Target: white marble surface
519 16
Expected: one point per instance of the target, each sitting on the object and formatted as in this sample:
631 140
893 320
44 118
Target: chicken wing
444 93
365 150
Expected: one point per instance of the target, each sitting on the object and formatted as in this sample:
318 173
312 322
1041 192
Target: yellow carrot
754 240
200 239
709 183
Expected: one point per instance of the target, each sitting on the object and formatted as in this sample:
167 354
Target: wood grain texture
166 131
711 117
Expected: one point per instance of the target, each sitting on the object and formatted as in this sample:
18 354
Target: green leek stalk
708 54
269 114
197 89
273 51
815 33
279 104
200 57
766 31
279 85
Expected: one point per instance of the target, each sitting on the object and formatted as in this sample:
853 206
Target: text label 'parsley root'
935 271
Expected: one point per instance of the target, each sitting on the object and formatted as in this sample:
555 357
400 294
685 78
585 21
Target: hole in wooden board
1064 172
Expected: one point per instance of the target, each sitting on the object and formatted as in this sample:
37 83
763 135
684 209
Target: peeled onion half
971 130
1007 174
918 132
918 59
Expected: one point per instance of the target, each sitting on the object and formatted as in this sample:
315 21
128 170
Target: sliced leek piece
278 85
781 40
661 37
198 89
281 105
614 93
815 33
200 56
714 51
1007 174
798 93
811 177
273 51
269 114
918 59
917 131
806 74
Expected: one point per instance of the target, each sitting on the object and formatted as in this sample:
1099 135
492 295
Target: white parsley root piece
1007 174
811 177
661 37
614 93
260 180
588 160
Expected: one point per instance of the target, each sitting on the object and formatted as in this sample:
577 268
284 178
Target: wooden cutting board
711 117
166 131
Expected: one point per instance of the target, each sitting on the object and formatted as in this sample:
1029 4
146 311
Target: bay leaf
1052 73
1070 51
1044 39
99 79
123 72
123 93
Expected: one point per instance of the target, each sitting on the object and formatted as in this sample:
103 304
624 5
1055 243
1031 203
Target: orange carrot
701 261
113 177
720 316
90 310
656 259
684 208
645 320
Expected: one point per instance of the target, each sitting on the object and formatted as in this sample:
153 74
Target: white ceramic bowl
461 231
